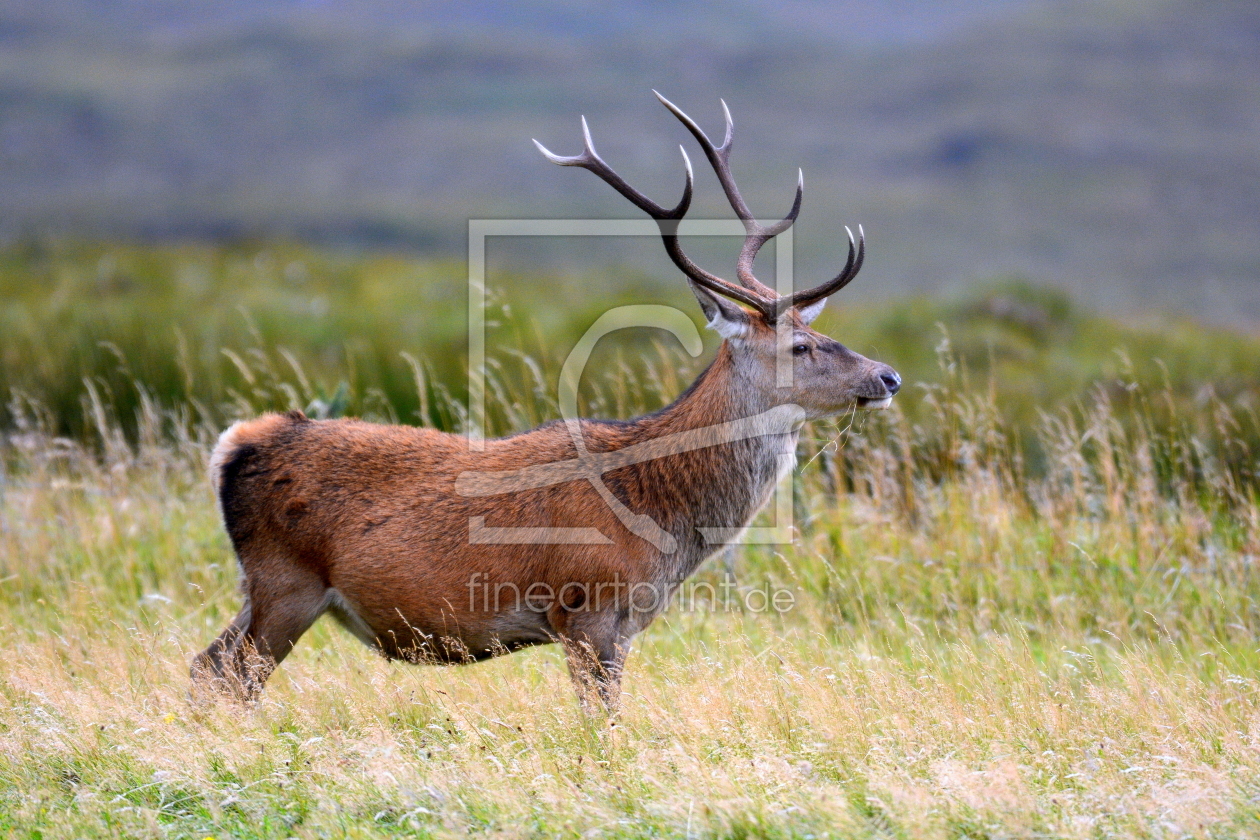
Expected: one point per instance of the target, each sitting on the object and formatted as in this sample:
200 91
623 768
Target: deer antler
756 234
751 291
851 267
666 220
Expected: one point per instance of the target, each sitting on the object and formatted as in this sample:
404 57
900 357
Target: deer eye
800 349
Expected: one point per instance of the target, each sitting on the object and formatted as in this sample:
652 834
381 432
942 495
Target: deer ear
725 318
811 311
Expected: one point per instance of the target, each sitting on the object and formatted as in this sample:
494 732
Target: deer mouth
874 403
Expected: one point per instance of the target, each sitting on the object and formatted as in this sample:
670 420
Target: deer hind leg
213 664
282 601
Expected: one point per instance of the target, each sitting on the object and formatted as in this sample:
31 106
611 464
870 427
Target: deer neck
722 394
724 446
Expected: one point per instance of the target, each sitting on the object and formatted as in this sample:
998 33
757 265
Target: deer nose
891 381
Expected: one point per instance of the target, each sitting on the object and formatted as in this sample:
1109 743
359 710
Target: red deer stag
384 526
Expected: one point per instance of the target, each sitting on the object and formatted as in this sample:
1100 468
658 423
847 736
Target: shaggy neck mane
714 470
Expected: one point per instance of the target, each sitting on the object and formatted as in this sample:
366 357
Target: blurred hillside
1110 147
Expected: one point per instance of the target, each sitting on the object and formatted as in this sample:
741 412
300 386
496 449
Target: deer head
826 377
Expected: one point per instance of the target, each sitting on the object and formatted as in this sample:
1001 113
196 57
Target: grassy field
1025 604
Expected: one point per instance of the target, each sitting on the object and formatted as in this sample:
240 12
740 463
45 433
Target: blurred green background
231 206
1107 147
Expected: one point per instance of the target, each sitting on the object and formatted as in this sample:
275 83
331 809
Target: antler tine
666 220
590 159
790 218
756 235
851 268
718 156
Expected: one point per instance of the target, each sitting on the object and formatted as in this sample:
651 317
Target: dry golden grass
975 651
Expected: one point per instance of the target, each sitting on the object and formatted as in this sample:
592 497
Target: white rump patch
221 452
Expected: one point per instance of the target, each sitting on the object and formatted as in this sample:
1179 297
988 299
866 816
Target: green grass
225 331
1025 604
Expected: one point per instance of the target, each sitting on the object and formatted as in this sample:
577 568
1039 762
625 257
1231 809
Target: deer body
382 525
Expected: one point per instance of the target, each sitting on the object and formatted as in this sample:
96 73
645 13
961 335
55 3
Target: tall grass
980 646
219 331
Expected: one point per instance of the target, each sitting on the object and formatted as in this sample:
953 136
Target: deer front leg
596 644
